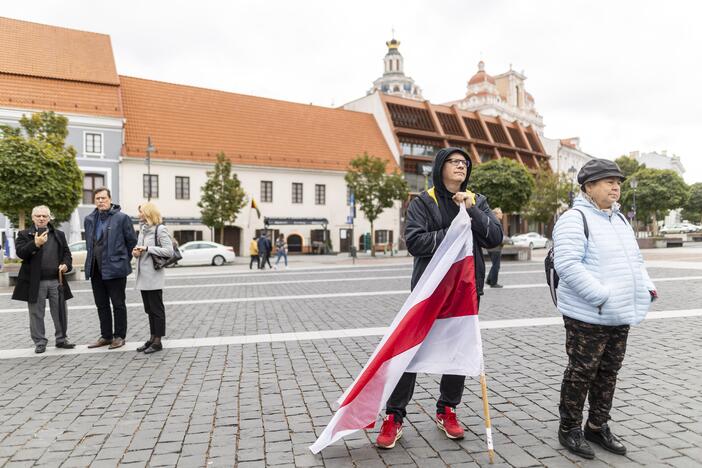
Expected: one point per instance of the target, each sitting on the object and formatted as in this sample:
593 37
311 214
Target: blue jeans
281 253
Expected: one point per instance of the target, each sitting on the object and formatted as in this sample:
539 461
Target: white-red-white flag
436 332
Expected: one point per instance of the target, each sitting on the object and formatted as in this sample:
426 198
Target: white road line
317 296
264 283
238 299
338 280
310 335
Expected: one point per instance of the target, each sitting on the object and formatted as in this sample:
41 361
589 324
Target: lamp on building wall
633 183
571 194
149 149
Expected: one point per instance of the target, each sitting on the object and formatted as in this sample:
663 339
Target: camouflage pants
595 355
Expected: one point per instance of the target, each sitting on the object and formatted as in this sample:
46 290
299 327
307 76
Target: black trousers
154 308
451 389
104 292
254 259
495 258
595 355
265 258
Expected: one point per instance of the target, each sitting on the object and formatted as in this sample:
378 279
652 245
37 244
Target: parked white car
532 240
680 228
78 251
205 253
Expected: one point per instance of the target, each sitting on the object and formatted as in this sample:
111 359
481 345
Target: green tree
38 169
504 182
373 188
628 165
692 210
550 195
658 191
222 196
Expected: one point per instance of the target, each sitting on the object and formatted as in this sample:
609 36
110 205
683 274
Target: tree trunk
372 240
22 220
655 224
221 235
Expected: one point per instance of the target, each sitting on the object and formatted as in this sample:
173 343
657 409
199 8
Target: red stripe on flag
455 296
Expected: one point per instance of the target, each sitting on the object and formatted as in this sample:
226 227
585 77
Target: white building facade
278 192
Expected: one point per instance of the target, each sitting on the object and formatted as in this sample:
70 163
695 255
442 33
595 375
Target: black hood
439 160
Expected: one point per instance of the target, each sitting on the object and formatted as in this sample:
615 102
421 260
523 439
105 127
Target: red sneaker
448 423
390 432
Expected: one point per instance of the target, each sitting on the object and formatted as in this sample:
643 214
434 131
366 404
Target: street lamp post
633 183
149 149
571 194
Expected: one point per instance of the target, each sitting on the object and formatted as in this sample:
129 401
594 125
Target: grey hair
43 207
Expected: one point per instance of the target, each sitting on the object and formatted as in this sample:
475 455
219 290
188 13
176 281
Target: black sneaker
65 345
574 441
496 285
605 439
40 348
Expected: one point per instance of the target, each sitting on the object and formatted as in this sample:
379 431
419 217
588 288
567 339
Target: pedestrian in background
44 252
109 238
253 251
281 250
264 251
495 257
153 241
604 288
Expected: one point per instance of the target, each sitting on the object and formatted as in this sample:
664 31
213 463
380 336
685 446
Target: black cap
598 169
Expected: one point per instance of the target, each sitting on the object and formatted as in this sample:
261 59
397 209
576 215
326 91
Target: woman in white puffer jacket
603 288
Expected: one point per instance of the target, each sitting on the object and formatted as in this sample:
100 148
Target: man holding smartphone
44 252
110 238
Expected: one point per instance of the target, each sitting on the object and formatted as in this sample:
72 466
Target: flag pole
488 424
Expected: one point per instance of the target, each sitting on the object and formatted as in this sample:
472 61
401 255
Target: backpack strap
585 228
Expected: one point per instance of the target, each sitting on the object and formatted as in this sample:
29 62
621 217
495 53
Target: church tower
394 82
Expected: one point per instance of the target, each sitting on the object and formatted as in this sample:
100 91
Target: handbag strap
156 241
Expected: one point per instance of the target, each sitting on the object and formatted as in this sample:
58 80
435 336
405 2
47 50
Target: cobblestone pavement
262 403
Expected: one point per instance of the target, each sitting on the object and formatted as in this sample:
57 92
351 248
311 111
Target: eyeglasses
457 162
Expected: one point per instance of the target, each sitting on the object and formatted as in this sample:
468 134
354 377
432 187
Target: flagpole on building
488 424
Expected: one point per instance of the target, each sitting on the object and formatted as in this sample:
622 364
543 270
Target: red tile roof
60 96
194 124
40 50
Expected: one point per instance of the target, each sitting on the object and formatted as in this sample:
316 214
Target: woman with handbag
154 245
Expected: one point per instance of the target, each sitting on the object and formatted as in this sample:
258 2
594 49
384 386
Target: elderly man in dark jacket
428 218
110 238
44 252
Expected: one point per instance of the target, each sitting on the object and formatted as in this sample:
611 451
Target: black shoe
40 348
66 345
574 441
153 348
144 347
605 439
496 285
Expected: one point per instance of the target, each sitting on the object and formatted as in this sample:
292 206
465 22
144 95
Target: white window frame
107 171
86 154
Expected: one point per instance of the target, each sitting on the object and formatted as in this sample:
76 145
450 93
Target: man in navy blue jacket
110 238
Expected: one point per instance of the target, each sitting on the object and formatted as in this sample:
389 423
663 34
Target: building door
320 235
345 239
294 243
232 238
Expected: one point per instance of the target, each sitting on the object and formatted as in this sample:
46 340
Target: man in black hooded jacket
428 218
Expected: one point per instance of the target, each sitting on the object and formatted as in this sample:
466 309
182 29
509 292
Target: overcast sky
623 76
